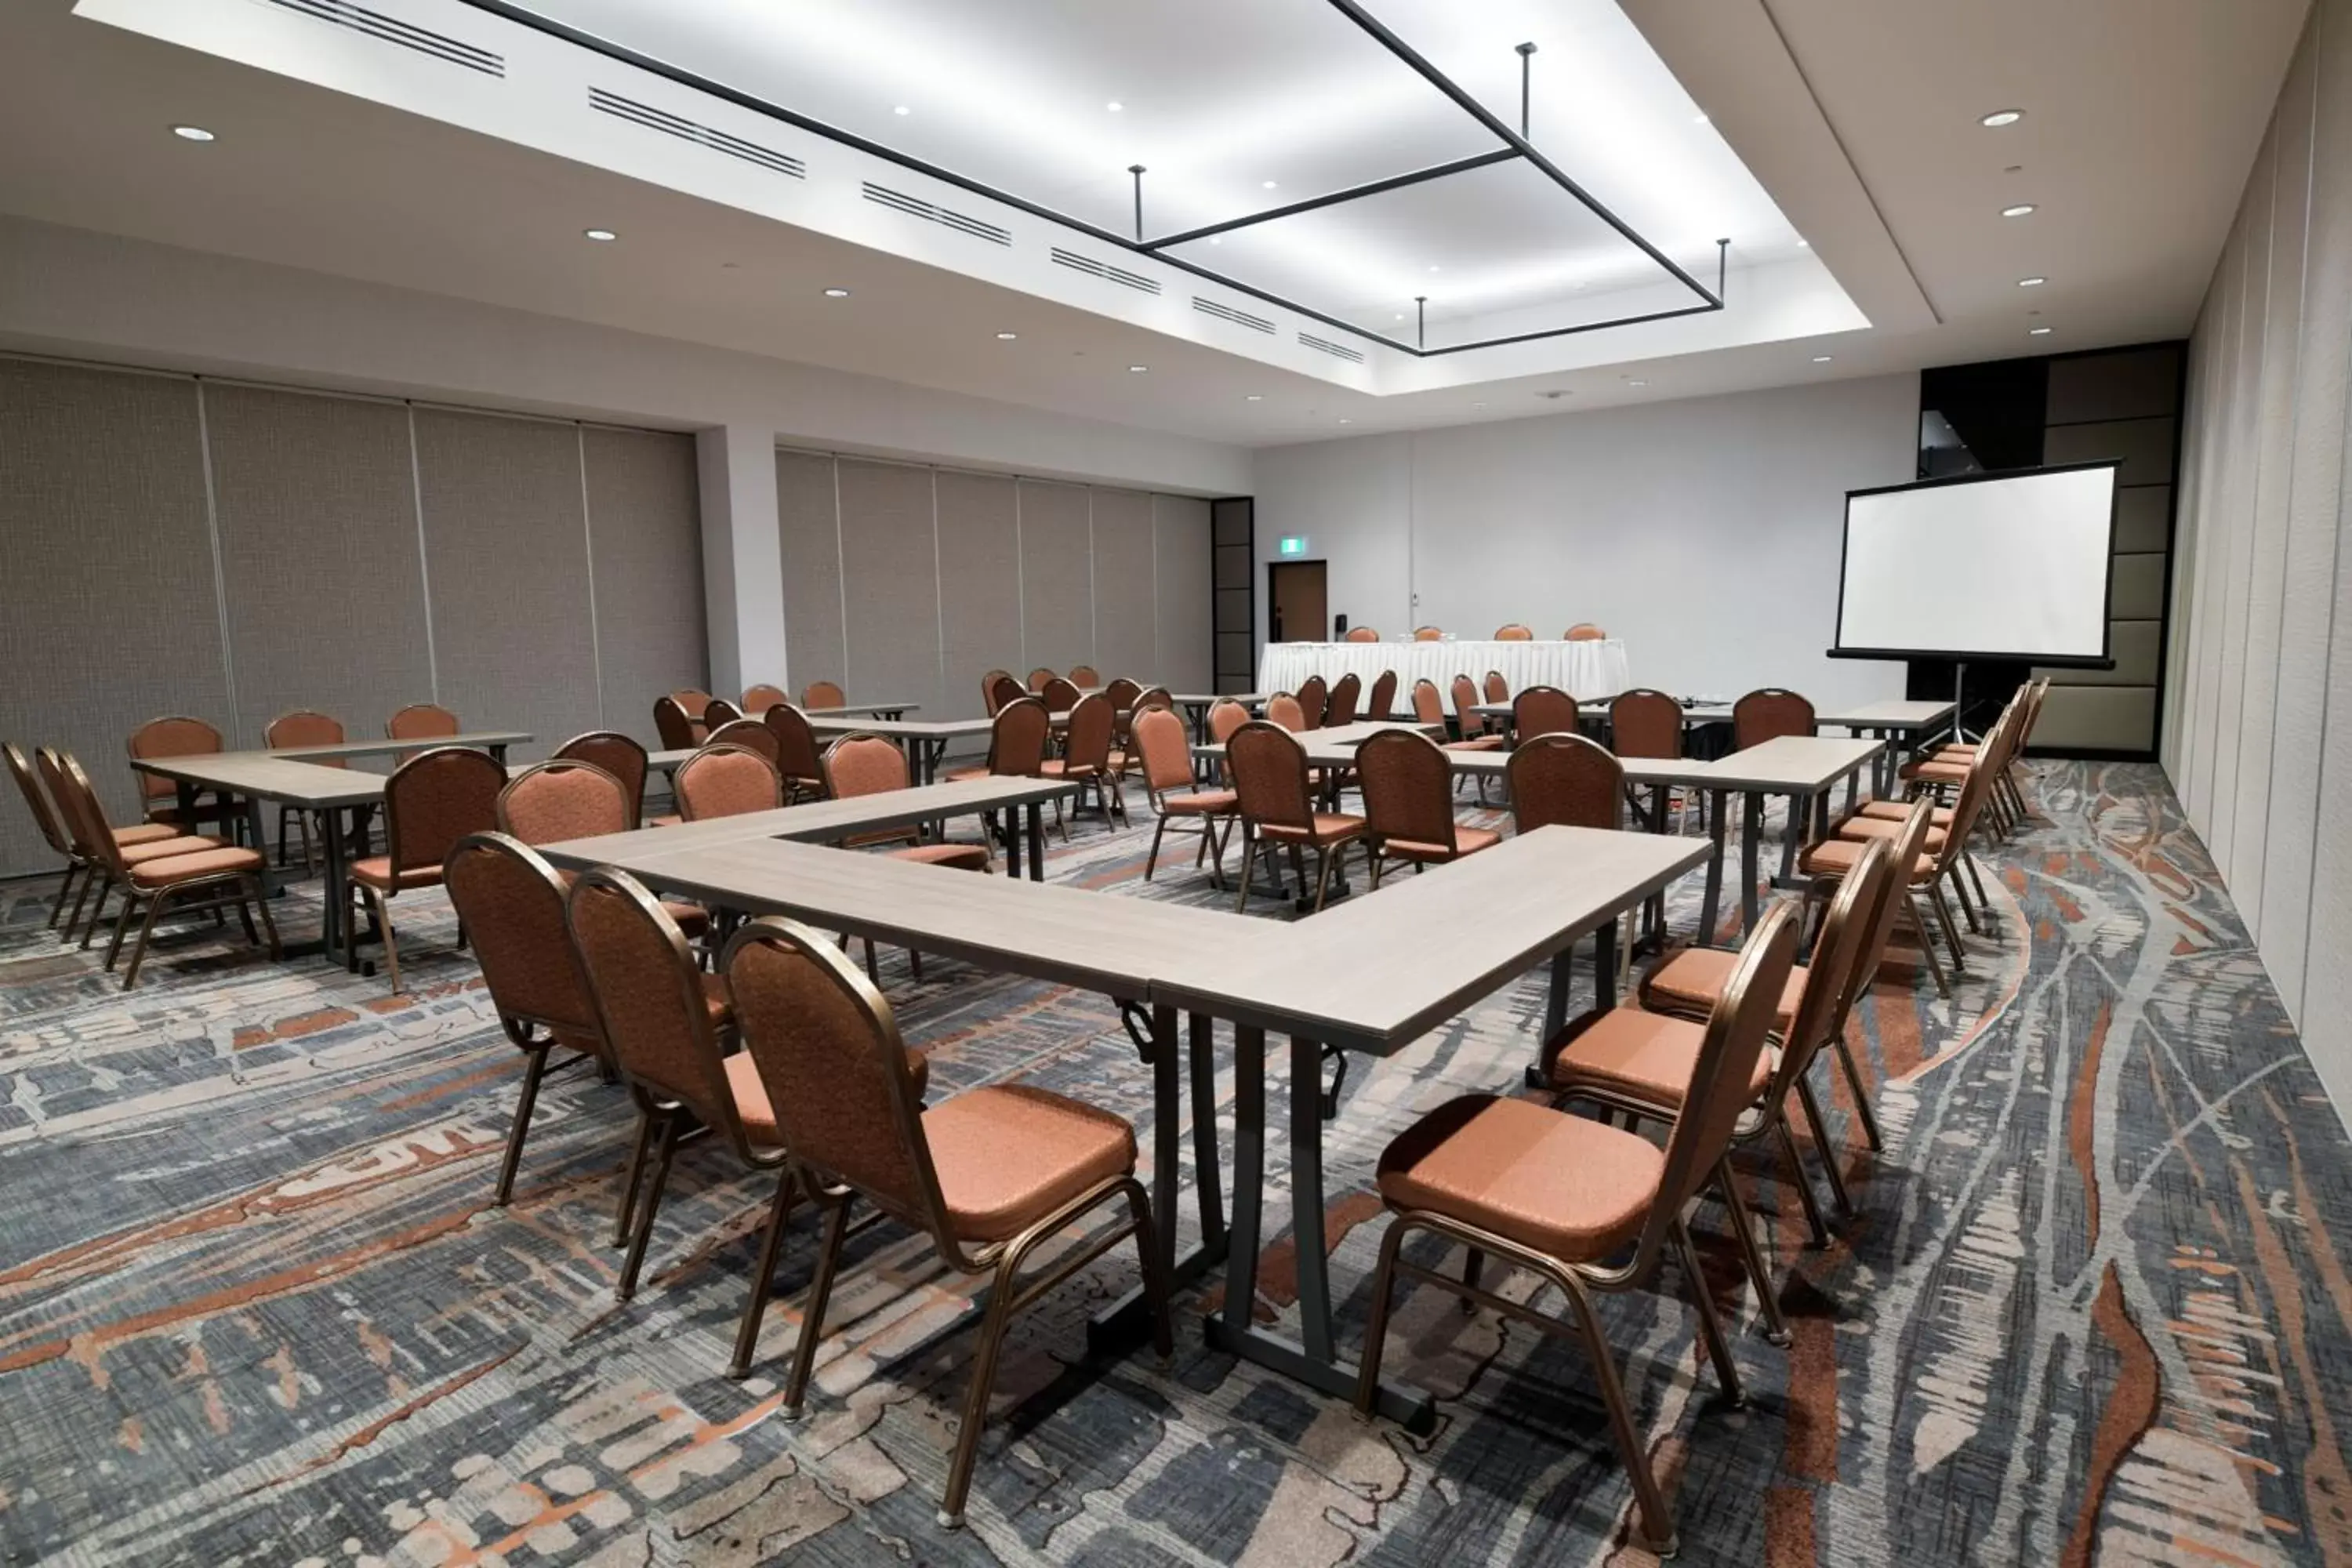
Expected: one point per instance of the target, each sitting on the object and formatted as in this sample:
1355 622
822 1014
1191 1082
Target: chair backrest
36 800
649 999
988 697
716 712
1719 1084
1466 698
1314 696
1829 975
1429 633
512 903
1283 708
673 724
1086 742
1991 757
823 694
79 812
1122 691
1154 697
830 1056
1061 694
796 755
758 700
1544 710
1908 841
1225 715
1003 689
1157 735
1497 689
752 734
562 798
1269 769
1767 714
620 755
421 722
305 727
1086 675
1428 705
1383 700
1038 677
1513 633
1564 779
1341 708
1408 786
693 698
1016 741
1646 723
1362 633
864 765
1585 631
435 798
175 736
726 780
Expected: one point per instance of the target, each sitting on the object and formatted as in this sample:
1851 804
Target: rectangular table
879 709
925 739
1586 671
1371 977
494 742
1894 720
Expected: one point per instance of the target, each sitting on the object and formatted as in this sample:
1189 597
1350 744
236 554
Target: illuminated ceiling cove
1434 175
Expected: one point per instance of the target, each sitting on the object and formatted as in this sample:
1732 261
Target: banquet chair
1086 677
1924 876
1121 692
1361 633
564 798
180 736
990 1177
758 700
1061 695
1341 708
693 700
1496 687
1314 696
1383 704
717 712
1514 632
1168 787
420 722
1408 804
858 765
102 869
726 780
61 838
1544 710
1283 708
752 734
677 727
1429 633
157 874
1017 739
1038 677
989 700
1584 631
1588 1208
798 756
822 694
1123 716
620 755
1085 759
1648 723
1565 779
1768 713
1003 689
302 727
430 802
1275 803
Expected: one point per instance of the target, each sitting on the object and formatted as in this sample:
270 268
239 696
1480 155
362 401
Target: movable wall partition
178 545
905 583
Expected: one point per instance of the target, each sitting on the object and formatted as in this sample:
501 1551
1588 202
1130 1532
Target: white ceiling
2142 116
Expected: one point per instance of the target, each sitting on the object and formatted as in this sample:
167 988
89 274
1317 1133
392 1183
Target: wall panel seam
588 539
938 588
840 570
220 570
1020 580
424 566
2334 576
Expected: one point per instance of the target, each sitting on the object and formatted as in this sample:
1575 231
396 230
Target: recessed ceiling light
2023 209
1821 359
1114 106
1256 397
1478 405
1006 337
1698 120
1347 422
2032 283
600 234
1138 369
2001 117
2037 331
1217 239
1268 185
193 133
1400 315
1804 244
900 109
1438 270
836 293
1632 381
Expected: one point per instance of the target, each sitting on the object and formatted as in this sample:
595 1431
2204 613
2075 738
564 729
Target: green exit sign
1292 545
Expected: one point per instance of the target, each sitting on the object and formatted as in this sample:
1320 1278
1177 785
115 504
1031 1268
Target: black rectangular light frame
1515 148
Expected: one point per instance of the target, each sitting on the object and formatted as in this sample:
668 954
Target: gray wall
2258 714
905 583
1705 531
183 545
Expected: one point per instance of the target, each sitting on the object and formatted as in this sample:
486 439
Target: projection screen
2011 565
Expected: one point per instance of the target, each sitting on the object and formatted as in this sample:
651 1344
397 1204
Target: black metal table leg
272 884
1207 1174
1751 846
1710 908
1604 964
1012 841
1036 841
498 754
1128 1319
1555 1012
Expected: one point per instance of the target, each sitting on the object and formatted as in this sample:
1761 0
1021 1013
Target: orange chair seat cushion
1836 857
1647 1056
1467 841
143 833
961 857
1692 979
172 869
1008 1155
751 1105
1476 743
1862 829
1560 1183
1937 773
376 872
1060 768
958 775
1200 803
169 846
1896 810
1330 828
691 918
671 821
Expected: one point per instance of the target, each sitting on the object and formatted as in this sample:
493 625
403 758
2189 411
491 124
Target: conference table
877 710
1586 670
926 740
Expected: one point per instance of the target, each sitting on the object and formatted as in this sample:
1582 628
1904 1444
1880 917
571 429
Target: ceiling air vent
1227 313
1104 270
931 212
1338 351
669 124
391 30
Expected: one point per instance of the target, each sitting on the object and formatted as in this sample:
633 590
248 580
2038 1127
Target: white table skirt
1587 672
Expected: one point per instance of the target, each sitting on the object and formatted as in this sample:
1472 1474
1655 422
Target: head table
1587 672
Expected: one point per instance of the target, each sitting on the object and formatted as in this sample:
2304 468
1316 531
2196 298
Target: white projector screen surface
2007 567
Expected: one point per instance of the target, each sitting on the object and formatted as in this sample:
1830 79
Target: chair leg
763 1277
1367 1370
629 1178
1474 1264
1375 857
813 1314
1966 910
122 925
984 1382
1323 875
261 907
57 904
1862 1107
627 1286
96 911
1249 865
1828 1150
1918 917
1657 1524
381 907
533 1070
1936 901
1787 1139
155 902
1969 861
1743 1230
1710 1327
1155 1283
1153 860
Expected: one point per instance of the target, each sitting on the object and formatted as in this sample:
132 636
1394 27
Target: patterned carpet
254 1307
